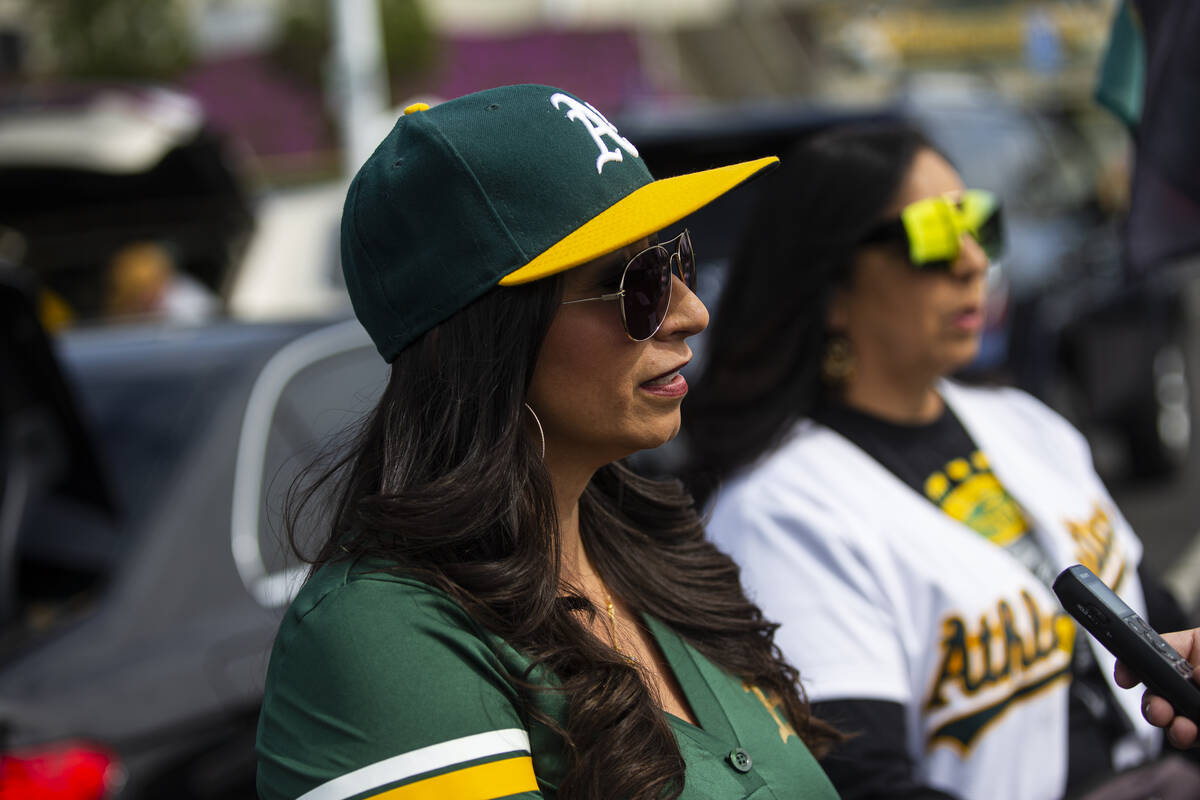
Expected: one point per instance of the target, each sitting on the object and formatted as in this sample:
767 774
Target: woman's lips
968 320
670 385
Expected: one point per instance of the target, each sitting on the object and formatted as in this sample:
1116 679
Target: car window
1027 158
145 418
146 423
313 420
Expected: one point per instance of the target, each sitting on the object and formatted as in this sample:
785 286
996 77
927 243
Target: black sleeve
873 762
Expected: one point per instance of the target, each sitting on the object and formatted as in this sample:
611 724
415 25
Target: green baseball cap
498 188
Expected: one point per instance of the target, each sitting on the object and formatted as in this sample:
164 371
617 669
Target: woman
502 608
902 527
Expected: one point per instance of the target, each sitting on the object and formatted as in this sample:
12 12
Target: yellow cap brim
642 212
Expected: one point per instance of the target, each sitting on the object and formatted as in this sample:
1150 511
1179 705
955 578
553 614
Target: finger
1182 733
1125 677
1184 642
1157 711
1192 652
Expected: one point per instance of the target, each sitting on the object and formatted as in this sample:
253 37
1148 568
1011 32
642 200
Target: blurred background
177 343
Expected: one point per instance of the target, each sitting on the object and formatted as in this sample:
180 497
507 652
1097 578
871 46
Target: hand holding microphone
1181 731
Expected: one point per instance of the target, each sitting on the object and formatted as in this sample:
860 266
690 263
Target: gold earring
837 363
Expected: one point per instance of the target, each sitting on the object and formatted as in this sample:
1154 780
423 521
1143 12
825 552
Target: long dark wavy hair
764 347
444 482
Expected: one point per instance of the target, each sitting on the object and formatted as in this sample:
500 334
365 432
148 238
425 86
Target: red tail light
64 771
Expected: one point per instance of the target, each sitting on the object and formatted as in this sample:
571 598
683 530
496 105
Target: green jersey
381 686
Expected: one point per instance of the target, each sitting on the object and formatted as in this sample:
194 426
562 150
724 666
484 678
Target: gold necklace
612 627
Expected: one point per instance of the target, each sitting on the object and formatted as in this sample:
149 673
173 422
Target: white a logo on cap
598 127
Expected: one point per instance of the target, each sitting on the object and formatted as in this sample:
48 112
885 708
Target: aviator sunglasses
645 287
931 230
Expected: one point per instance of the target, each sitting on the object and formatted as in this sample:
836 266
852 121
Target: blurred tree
302 46
305 38
147 39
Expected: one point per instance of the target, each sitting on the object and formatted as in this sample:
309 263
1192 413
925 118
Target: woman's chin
652 438
668 432
960 356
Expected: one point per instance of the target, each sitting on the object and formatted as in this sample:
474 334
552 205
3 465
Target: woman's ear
837 313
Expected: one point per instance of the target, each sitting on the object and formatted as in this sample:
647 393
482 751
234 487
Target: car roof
149 344
89 170
110 131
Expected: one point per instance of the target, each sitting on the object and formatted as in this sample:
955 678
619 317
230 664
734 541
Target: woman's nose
686 314
971 260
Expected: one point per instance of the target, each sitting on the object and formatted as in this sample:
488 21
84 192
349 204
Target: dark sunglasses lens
647 288
687 261
991 235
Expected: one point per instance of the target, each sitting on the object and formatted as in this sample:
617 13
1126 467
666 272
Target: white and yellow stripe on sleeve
486 781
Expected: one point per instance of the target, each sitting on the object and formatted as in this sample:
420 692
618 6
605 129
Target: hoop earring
541 433
837 362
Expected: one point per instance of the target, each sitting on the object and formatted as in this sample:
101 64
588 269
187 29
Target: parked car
143 561
90 172
150 566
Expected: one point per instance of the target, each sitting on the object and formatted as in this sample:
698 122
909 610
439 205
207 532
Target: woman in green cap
502 607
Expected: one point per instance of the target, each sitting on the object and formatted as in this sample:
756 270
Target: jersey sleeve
874 762
837 626
383 686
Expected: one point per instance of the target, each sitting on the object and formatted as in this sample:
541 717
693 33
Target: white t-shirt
882 596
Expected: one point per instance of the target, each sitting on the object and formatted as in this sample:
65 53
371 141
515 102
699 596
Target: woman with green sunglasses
901 526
